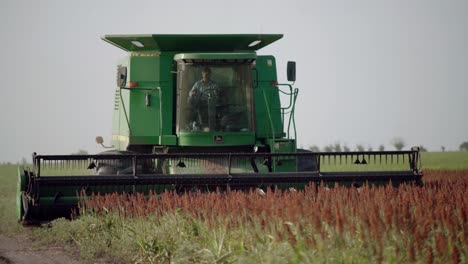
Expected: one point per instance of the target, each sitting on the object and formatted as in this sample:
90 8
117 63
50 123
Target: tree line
397 143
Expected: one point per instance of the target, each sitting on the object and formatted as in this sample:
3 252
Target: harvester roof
192 43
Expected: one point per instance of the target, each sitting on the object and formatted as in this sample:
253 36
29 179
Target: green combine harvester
199 113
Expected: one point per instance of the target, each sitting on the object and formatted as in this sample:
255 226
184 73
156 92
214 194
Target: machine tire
20 188
26 212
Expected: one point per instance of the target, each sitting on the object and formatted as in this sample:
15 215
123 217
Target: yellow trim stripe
120 138
145 54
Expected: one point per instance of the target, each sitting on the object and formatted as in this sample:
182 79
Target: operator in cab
203 98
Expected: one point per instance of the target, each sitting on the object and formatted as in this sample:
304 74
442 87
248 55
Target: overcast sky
368 71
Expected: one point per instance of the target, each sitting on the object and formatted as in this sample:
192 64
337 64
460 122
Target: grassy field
429 161
445 160
204 229
8 178
345 225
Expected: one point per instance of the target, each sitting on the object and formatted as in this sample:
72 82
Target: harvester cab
199 112
196 93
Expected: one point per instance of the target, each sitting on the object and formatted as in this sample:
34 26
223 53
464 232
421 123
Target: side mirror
100 141
121 76
291 71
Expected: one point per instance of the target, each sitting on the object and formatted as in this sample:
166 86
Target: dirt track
20 249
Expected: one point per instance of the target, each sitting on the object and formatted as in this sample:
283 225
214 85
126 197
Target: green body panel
209 139
150 69
266 99
283 164
164 140
70 194
142 116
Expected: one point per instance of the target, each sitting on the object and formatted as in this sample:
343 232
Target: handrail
269 117
160 116
125 112
292 104
292 116
285 93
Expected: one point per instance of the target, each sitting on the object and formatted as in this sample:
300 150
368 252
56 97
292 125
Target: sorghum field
409 224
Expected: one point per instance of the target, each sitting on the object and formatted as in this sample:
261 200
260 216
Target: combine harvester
199 112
